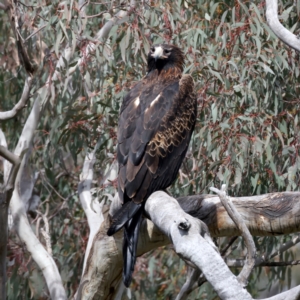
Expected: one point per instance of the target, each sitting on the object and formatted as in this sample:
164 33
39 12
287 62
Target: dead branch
264 215
240 224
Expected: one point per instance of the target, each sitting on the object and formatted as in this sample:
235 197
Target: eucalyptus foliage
247 133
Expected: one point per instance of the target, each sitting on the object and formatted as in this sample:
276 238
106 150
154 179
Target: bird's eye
152 50
167 51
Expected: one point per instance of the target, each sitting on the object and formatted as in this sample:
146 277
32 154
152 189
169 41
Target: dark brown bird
156 122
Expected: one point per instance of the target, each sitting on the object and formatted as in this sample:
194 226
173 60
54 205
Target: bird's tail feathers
125 213
131 233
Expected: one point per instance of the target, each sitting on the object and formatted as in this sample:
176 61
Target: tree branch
22 102
281 32
35 248
189 285
92 209
240 224
264 215
285 247
191 240
292 294
5 153
103 273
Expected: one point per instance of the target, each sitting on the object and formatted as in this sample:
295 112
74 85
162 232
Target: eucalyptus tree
64 69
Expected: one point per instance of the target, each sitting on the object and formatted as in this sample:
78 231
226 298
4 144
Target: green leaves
247 132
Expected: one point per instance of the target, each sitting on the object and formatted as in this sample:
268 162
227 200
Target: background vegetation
247 133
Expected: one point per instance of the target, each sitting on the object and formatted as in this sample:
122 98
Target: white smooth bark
92 208
191 241
33 245
281 32
17 203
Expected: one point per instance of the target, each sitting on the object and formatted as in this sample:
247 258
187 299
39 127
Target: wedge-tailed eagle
156 122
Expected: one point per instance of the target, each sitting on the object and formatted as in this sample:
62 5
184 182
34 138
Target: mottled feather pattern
156 121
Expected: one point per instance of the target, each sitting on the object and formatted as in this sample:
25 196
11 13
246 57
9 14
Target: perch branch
239 222
270 214
191 240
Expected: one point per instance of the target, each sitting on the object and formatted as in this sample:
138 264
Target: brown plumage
156 122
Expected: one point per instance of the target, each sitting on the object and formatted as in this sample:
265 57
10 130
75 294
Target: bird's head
164 56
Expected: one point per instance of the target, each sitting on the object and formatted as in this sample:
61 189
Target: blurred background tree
247 133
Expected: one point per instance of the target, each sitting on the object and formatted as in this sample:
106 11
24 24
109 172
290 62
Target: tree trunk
3 241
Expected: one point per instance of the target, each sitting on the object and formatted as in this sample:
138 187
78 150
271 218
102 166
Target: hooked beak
158 53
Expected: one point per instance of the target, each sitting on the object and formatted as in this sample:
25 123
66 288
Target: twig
97 15
191 280
54 190
28 6
102 35
84 4
239 263
239 222
232 240
35 32
285 247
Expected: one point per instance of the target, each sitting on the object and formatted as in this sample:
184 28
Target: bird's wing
154 131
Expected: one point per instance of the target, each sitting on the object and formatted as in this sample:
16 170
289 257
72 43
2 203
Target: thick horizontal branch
264 215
